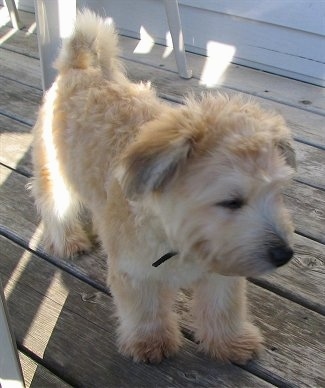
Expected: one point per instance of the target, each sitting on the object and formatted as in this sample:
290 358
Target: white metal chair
13 13
10 369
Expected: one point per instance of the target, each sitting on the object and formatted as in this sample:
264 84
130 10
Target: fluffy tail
92 44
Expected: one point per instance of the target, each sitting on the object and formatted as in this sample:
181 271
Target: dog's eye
233 204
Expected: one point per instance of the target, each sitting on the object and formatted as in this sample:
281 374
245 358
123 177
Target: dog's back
91 112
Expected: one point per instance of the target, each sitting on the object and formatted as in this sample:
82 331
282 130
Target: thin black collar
164 258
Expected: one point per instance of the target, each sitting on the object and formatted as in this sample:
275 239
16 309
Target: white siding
286 37
276 36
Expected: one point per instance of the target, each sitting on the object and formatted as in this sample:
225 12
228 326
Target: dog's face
214 172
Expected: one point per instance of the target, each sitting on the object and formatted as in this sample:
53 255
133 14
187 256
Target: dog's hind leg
222 326
59 208
148 328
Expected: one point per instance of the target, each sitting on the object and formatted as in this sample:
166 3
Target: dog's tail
93 43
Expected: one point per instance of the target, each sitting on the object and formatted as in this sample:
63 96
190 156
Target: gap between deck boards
75 272
97 327
272 84
256 369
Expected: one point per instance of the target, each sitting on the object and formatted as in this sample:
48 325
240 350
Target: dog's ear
288 152
154 159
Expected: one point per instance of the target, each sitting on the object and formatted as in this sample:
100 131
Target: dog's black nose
280 255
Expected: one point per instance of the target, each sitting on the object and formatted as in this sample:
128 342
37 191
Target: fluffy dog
199 185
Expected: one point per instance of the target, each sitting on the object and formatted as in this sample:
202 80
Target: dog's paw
77 245
152 349
72 245
239 348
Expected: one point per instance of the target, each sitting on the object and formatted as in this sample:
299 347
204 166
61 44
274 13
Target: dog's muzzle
280 255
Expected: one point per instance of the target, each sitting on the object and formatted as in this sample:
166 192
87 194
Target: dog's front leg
222 327
148 328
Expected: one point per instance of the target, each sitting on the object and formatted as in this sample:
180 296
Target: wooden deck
61 312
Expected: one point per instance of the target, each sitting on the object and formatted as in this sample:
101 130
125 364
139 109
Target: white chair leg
10 369
174 22
55 20
13 13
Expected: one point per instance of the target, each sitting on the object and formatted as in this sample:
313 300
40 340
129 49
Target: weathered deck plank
18 138
77 338
307 203
29 74
16 155
288 352
251 81
46 301
307 127
36 288
18 101
303 280
311 160
315 286
19 216
237 78
35 375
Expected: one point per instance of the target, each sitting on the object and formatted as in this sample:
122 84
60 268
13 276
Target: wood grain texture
293 335
304 275
15 143
310 160
17 138
68 324
266 86
18 214
306 126
19 101
247 40
35 375
29 74
72 317
76 334
310 165
235 77
306 203
238 78
308 208
293 99
303 279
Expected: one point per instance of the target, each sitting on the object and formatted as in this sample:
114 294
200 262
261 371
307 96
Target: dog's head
214 172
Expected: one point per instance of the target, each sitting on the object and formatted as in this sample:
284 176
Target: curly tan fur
204 180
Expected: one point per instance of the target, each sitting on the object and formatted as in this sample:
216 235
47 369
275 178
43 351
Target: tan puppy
203 180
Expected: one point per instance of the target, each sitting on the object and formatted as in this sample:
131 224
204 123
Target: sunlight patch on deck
5 173
169 45
31 29
18 272
219 57
14 145
7 36
146 42
46 317
4 16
